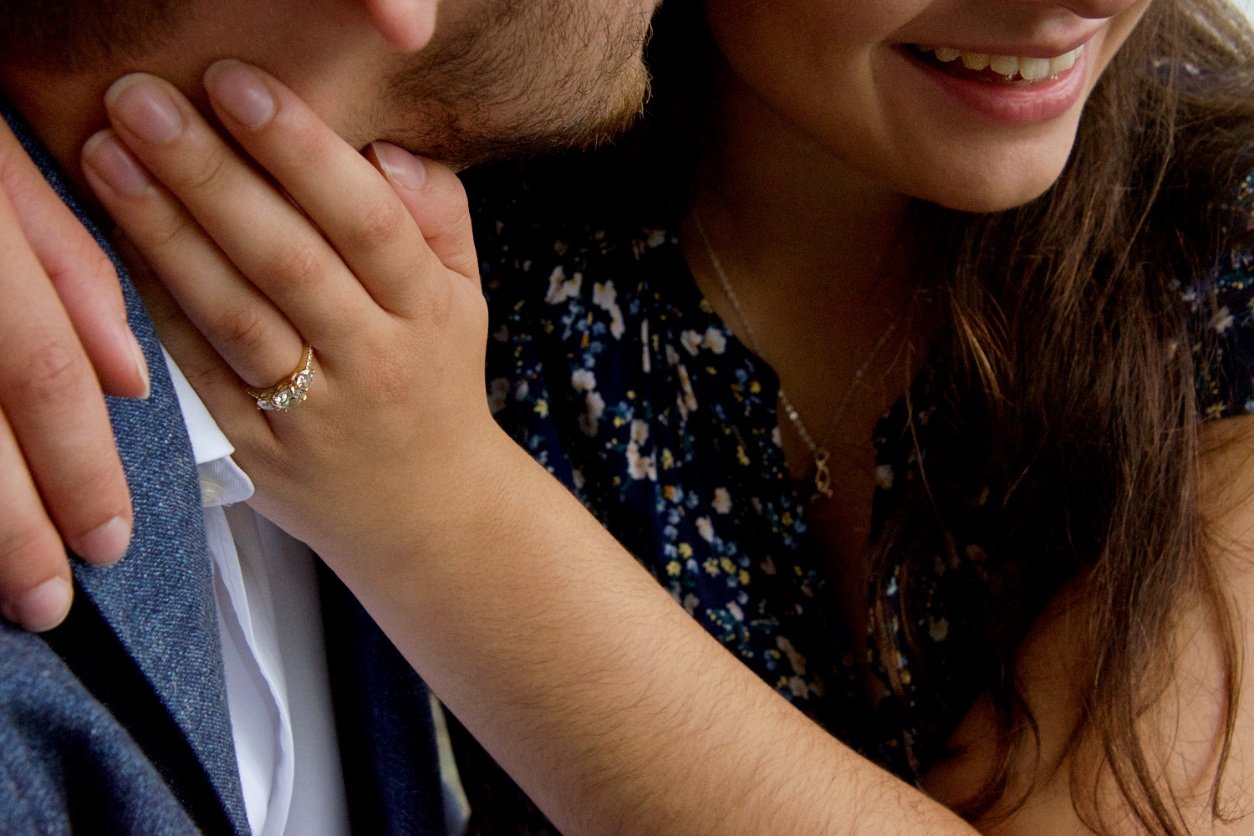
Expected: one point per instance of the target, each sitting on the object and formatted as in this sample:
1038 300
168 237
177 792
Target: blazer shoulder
65 763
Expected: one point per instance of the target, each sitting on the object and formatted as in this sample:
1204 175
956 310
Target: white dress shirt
272 647
274 654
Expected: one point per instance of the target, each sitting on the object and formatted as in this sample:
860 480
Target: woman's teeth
1010 66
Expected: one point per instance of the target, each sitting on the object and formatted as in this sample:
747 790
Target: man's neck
62 112
64 108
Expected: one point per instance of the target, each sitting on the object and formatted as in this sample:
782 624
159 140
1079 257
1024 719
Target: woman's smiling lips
993 67
1005 88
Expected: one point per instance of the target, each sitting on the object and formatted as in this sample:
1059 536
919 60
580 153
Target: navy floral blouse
609 367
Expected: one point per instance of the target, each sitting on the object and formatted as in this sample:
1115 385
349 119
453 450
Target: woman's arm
610 706
63 338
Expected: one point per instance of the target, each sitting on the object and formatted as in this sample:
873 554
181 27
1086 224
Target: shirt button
210 493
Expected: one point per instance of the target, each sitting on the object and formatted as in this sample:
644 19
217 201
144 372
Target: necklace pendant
822 474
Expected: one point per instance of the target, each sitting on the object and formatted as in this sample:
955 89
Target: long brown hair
1072 342
1072 377
1073 352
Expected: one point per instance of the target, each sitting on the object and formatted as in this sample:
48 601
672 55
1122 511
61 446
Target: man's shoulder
65 763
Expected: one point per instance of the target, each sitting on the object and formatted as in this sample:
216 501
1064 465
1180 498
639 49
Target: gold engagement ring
289 392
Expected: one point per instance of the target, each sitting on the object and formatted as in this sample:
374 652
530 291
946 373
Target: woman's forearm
610 706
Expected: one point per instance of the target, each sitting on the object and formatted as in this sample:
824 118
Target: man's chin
615 119
467 145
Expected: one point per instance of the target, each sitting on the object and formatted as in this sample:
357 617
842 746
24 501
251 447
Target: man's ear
406 24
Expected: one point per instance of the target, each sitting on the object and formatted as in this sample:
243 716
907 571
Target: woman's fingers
252 336
436 201
329 250
266 241
198 360
330 181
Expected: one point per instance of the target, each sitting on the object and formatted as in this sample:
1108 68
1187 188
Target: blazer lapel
159 600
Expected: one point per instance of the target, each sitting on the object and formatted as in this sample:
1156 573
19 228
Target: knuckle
28 553
295 264
200 378
50 371
376 223
96 263
87 264
99 486
207 172
244 327
166 234
161 235
87 485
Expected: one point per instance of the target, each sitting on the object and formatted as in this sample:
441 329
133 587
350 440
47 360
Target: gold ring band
289 392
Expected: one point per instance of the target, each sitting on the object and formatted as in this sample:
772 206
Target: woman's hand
377 273
63 338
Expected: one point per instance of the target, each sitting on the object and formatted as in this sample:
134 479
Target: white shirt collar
221 480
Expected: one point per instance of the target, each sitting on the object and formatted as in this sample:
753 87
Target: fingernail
400 166
141 365
105 544
241 93
145 108
105 156
43 607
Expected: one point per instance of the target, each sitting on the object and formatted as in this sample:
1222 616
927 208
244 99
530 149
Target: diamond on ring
291 392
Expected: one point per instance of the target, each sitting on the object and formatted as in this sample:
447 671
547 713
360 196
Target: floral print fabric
608 366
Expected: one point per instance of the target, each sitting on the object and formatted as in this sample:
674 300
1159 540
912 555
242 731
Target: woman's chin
989 195
980 174
989 204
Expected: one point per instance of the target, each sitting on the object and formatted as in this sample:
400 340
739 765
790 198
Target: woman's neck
812 252
788 212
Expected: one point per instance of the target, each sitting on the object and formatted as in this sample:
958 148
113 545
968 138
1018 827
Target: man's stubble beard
526 78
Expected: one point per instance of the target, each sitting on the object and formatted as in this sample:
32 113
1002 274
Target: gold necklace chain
818 448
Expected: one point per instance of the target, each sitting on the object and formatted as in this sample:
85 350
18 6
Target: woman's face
972 104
